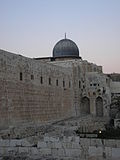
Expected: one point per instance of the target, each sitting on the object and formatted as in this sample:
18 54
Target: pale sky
32 28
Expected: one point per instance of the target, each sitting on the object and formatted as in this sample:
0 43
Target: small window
41 80
98 90
32 77
49 81
63 83
69 84
94 84
79 84
104 90
84 86
21 76
90 84
56 82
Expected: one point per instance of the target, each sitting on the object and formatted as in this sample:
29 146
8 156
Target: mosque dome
65 48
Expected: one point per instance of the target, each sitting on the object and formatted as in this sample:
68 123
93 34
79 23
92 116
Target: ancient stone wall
66 148
115 87
88 83
32 91
98 91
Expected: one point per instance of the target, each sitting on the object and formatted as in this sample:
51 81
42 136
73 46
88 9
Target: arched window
99 107
85 105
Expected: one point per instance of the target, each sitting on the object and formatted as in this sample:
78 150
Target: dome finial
65 35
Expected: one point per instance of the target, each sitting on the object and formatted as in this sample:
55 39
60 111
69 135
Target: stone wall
35 91
32 91
115 88
88 82
97 86
71 147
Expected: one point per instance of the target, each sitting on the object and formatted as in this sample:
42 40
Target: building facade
40 90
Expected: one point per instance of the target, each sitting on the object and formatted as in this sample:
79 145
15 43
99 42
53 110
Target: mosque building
48 89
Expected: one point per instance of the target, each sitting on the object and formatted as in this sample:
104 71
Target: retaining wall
71 147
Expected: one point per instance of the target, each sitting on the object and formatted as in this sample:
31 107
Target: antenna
65 35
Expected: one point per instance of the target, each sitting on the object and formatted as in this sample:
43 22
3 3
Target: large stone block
73 153
45 151
117 143
77 139
58 152
33 151
110 143
70 139
41 144
46 138
85 141
4 143
95 151
25 143
23 150
57 144
15 143
67 145
54 139
76 145
54 152
108 151
97 142
116 153
61 152
8 150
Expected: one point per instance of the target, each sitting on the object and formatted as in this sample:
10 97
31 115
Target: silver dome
65 48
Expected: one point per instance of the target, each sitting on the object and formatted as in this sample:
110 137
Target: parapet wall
71 147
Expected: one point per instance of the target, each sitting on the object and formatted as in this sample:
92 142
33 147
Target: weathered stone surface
29 100
31 103
116 152
58 144
95 151
97 142
87 149
45 151
5 143
42 145
73 152
30 92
